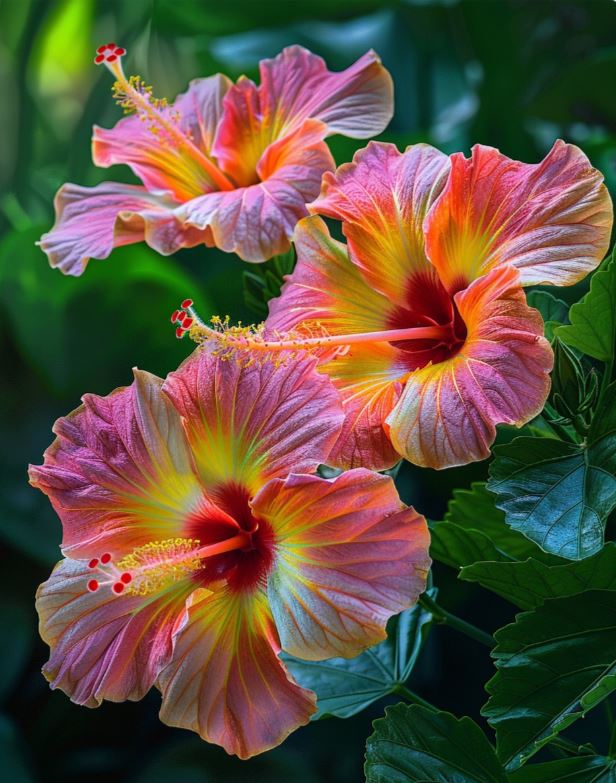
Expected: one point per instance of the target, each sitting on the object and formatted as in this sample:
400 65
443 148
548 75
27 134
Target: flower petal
225 680
90 222
257 221
325 288
296 86
382 198
349 555
103 646
246 424
119 473
447 413
160 161
551 220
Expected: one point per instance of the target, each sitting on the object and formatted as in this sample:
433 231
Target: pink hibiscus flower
198 543
226 165
427 332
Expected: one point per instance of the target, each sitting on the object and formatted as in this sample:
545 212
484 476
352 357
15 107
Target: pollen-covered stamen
133 94
159 564
254 338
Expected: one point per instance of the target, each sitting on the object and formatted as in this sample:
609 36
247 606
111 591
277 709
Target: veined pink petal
551 220
90 222
349 555
104 646
296 86
225 680
246 424
119 473
447 413
382 198
327 290
160 161
257 221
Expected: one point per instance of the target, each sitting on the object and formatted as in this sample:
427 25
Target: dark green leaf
589 769
345 686
80 332
593 319
412 743
529 583
264 282
553 311
551 308
475 529
558 494
554 664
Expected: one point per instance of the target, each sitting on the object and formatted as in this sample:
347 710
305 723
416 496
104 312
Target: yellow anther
159 564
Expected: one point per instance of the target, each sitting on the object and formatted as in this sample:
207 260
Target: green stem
441 615
607 378
572 747
413 698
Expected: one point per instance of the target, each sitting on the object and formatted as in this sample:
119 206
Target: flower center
224 541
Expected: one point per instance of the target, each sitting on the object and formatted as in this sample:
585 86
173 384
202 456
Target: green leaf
553 311
559 494
529 583
265 281
474 529
80 333
345 686
412 743
587 769
554 664
593 319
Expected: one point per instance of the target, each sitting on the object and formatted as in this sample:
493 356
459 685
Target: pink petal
162 161
551 220
225 680
90 222
296 86
349 555
246 424
103 646
119 473
326 288
447 413
382 198
257 221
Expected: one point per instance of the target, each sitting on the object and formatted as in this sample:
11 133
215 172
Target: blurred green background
515 75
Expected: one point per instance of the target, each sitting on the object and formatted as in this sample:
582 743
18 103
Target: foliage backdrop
510 73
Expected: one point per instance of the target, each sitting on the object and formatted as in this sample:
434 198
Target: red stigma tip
111 46
118 587
93 563
106 558
92 585
126 578
174 316
187 303
187 323
111 58
179 332
99 58
101 49
119 51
